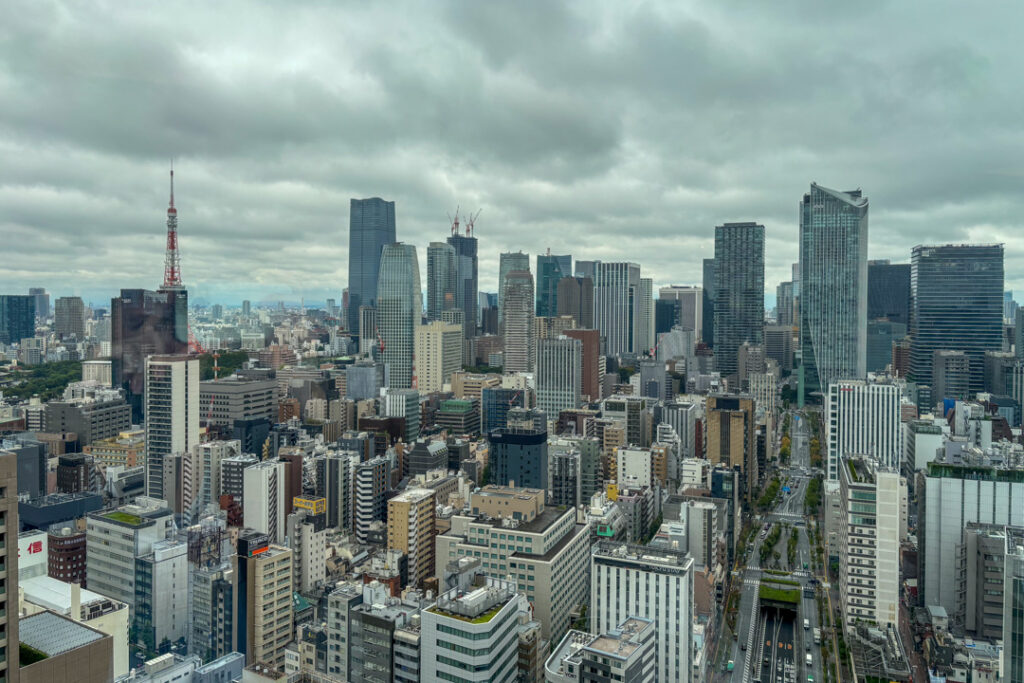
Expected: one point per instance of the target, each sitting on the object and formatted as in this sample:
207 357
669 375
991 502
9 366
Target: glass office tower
398 311
441 277
739 291
371 225
956 305
833 288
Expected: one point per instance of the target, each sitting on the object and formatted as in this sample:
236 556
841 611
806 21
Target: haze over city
625 130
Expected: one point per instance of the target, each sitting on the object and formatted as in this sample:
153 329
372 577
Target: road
756 626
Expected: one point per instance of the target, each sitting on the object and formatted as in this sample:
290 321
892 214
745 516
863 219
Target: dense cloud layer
606 130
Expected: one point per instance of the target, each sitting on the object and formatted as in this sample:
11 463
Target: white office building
559 375
172 414
470 633
863 418
653 583
263 499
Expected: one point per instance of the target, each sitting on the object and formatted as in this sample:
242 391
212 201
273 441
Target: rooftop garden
124 518
30 655
482 619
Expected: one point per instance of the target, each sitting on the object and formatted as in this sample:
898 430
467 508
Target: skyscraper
833 287
507 263
739 291
466 278
617 306
689 309
17 317
549 272
398 310
69 317
145 323
441 276
645 319
9 557
518 322
438 354
42 300
172 415
957 305
889 291
576 298
708 334
371 226
784 304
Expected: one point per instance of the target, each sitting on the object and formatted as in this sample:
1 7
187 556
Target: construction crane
454 221
471 222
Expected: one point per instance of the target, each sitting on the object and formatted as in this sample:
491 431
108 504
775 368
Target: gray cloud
606 130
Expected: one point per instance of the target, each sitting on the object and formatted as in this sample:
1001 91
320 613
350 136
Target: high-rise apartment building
334 475
69 317
507 263
441 279
371 226
411 530
466 279
957 304
264 617
863 418
739 291
438 355
518 322
398 311
871 497
263 499
889 291
549 273
17 317
833 295
617 306
652 583
559 374
144 323
371 487
172 414
731 437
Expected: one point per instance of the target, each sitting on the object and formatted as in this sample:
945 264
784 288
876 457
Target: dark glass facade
889 291
466 280
549 272
17 317
144 323
708 335
519 456
956 305
371 225
739 291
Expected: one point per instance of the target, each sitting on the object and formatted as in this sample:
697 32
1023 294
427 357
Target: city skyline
553 157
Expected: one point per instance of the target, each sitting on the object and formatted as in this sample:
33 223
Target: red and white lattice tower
172 261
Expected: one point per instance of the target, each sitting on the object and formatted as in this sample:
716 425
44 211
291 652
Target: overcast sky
609 130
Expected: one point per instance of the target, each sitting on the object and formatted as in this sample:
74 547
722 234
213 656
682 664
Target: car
743 646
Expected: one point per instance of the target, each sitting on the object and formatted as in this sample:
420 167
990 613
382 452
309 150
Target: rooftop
53 634
55 594
642 554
